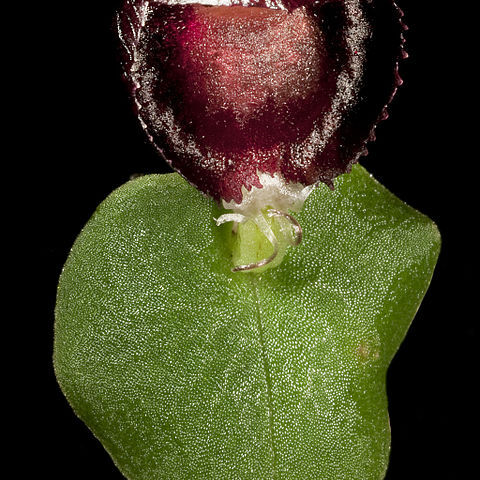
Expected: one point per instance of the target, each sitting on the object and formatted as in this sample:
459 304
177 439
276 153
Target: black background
88 142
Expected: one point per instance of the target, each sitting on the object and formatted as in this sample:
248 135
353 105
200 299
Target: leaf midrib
268 378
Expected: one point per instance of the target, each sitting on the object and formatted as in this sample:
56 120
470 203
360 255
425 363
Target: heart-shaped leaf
185 370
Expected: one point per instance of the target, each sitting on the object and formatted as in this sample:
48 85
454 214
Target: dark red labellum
227 92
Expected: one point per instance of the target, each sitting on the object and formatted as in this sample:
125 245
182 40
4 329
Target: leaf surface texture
185 370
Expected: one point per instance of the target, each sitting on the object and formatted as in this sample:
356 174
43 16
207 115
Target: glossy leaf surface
185 370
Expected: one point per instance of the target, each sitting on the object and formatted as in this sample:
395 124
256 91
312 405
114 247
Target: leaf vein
268 378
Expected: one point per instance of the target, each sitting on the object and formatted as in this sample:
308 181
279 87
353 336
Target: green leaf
185 370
